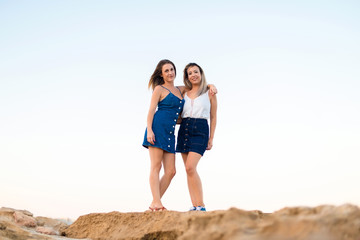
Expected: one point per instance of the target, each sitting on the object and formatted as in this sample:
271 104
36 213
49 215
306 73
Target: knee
190 170
156 168
170 172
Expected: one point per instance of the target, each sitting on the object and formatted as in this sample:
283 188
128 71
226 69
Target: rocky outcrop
24 220
298 223
21 224
50 226
12 231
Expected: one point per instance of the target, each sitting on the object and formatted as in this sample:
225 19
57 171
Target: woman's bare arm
213 120
155 98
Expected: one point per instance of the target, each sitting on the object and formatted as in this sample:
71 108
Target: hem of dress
147 146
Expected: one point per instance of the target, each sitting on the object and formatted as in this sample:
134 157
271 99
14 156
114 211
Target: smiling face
168 72
194 75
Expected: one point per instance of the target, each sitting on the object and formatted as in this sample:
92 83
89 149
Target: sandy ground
324 222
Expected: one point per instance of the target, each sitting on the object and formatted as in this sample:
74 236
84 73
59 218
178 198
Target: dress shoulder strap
165 88
180 92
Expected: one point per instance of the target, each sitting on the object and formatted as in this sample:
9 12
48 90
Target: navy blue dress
164 122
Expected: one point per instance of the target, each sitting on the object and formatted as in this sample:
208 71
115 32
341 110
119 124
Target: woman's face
168 72
194 75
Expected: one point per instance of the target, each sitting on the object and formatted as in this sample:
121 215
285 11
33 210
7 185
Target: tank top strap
165 88
180 92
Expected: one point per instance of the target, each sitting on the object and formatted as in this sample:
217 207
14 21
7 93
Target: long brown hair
203 84
156 78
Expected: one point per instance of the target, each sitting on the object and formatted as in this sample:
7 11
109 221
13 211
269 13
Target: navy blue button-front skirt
193 136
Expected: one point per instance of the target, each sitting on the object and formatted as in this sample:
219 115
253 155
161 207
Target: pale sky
74 101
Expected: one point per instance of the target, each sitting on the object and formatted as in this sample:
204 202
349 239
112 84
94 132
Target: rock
12 210
46 230
12 231
6 209
19 225
58 226
297 223
6 216
24 220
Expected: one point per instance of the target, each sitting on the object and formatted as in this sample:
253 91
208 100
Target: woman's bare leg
191 161
169 171
156 157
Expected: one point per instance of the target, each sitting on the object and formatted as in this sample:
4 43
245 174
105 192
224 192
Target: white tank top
198 107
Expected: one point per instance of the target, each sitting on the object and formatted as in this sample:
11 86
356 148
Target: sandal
155 209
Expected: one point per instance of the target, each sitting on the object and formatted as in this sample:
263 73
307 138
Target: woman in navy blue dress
165 107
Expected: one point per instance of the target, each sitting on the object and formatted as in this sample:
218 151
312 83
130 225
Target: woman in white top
194 136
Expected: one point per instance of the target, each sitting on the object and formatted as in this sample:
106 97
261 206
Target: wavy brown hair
156 78
203 84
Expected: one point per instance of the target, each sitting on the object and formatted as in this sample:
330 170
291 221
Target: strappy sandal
155 209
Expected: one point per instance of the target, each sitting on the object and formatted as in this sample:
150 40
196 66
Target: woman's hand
150 137
210 144
179 120
213 89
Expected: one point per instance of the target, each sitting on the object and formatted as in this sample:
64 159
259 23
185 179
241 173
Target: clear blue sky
74 101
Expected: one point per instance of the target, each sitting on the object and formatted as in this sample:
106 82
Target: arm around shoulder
212 89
